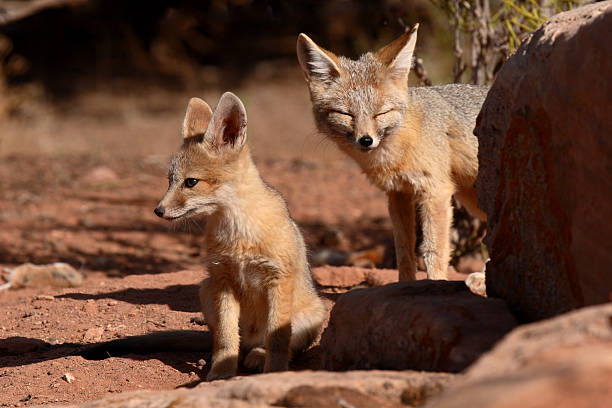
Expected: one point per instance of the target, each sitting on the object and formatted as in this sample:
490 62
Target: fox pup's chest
245 273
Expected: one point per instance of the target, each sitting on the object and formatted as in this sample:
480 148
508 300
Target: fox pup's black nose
365 141
159 211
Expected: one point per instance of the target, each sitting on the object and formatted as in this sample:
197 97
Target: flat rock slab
561 362
292 389
349 276
421 325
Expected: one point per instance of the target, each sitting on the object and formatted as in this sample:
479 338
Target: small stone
199 319
58 274
477 283
44 297
93 334
26 398
201 362
69 378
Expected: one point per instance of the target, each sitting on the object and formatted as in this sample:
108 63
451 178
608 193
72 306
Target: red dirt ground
82 191
141 272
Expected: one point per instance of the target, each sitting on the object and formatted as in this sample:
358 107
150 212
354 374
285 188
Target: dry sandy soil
79 182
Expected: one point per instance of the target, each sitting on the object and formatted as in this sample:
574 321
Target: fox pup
416 144
260 299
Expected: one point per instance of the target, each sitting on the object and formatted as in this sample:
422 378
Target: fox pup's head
358 103
202 172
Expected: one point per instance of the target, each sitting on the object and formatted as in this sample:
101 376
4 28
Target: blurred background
93 76
92 95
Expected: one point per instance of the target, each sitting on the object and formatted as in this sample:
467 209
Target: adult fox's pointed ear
227 129
196 118
317 63
397 56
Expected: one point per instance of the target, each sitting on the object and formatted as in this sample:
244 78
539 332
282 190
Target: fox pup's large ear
227 129
397 56
316 62
196 118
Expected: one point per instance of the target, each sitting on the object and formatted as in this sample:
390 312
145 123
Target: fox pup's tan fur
416 144
260 299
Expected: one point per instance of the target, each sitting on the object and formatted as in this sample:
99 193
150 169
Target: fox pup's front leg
224 326
278 331
402 212
436 217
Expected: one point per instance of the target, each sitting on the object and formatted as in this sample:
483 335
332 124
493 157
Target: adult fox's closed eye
260 301
415 143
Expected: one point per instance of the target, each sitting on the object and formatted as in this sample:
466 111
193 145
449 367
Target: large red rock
420 325
565 362
545 153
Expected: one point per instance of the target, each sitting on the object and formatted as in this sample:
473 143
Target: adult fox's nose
366 141
159 211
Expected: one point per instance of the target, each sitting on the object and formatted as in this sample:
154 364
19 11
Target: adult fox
414 143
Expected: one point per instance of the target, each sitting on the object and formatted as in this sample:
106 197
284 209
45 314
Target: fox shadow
180 349
183 350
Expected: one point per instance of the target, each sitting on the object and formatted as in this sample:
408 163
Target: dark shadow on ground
182 298
180 349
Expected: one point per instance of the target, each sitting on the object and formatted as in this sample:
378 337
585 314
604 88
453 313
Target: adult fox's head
358 103
203 171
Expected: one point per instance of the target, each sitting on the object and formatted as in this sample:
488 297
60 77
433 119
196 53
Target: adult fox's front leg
436 218
402 213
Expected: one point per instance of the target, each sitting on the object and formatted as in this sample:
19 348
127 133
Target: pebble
69 378
199 319
93 334
44 297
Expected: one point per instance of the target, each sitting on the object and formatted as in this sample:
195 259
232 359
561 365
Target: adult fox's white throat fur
415 143
259 302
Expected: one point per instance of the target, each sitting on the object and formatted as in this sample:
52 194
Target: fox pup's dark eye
190 182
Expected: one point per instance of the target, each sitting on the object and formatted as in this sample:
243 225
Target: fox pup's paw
226 368
256 359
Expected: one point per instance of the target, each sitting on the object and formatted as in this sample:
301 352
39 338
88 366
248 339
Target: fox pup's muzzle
159 211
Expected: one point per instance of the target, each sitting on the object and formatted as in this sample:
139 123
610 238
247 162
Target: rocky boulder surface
562 362
545 153
420 325
359 389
